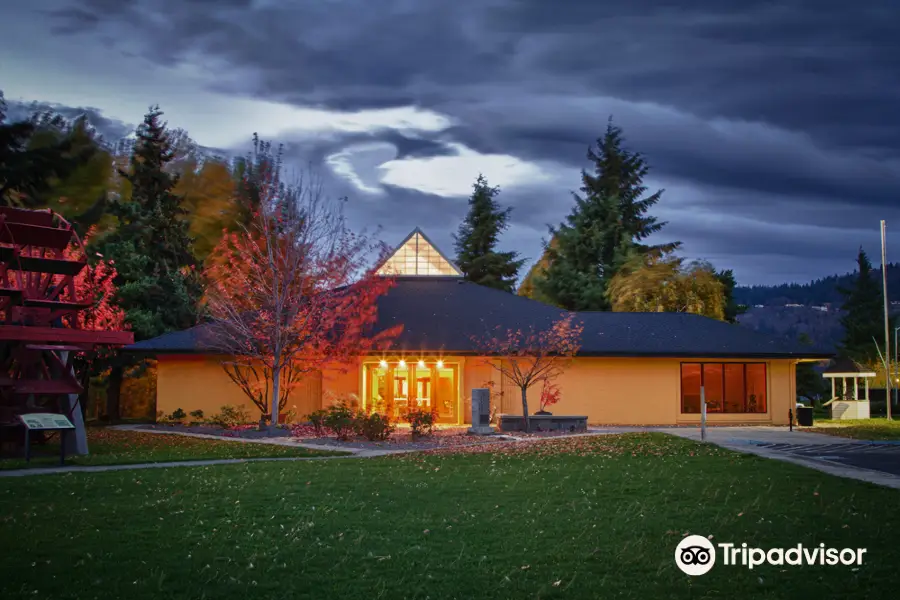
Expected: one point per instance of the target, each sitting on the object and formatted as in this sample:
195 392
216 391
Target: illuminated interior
392 387
418 256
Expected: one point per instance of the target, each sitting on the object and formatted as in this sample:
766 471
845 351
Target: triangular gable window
418 256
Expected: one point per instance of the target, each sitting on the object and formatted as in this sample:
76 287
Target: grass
576 518
860 429
118 447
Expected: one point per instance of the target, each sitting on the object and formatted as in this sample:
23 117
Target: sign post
46 422
702 414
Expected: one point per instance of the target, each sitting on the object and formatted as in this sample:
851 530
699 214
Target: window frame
721 410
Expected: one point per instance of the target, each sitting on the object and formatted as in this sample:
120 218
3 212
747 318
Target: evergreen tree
863 319
608 224
732 308
158 285
477 239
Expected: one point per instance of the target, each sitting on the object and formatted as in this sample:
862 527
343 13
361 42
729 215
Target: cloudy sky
774 126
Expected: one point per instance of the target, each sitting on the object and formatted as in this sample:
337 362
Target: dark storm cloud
798 64
793 100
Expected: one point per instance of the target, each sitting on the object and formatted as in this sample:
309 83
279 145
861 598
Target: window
728 387
417 256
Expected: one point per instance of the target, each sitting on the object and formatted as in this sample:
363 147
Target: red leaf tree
96 283
289 293
532 356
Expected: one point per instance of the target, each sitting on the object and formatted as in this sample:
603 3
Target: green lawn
860 429
116 447
584 518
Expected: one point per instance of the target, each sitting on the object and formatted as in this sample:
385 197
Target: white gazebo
848 404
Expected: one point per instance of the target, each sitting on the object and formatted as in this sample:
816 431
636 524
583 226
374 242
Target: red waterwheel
39 306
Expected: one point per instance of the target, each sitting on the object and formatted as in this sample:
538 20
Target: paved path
279 441
875 462
157 465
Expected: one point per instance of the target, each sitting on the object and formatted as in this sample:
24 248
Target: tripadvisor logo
696 555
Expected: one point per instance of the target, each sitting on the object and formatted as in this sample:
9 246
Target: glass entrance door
446 388
392 389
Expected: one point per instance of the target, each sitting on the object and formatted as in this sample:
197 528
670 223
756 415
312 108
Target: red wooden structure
39 306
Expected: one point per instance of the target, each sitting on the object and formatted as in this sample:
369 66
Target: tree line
599 257
826 290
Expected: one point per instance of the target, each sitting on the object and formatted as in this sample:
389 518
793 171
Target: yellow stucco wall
192 382
647 391
620 391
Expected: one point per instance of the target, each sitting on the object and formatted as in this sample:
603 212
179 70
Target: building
632 368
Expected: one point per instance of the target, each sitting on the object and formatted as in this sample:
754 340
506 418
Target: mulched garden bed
247 432
450 437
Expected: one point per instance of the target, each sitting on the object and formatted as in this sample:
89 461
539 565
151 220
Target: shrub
290 415
340 419
230 416
197 414
374 427
550 395
317 420
176 416
421 422
351 401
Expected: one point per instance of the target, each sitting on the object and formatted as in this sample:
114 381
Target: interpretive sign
35 421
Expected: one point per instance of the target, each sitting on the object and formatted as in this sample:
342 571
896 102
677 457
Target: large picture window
729 387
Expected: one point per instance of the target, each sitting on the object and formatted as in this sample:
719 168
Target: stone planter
572 424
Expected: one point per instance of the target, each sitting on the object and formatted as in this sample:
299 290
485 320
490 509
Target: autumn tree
95 283
658 282
476 241
609 222
531 356
529 286
210 202
289 293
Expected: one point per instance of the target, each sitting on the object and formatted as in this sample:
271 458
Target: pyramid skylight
418 256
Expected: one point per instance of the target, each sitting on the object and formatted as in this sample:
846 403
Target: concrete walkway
812 450
158 465
275 441
279 441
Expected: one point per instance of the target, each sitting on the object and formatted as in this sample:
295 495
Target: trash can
804 416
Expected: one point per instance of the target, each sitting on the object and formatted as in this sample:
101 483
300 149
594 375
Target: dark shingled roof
444 313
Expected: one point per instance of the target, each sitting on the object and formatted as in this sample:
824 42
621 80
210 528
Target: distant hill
815 293
788 322
813 308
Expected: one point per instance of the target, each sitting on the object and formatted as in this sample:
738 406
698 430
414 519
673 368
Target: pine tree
608 224
158 285
477 239
863 314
